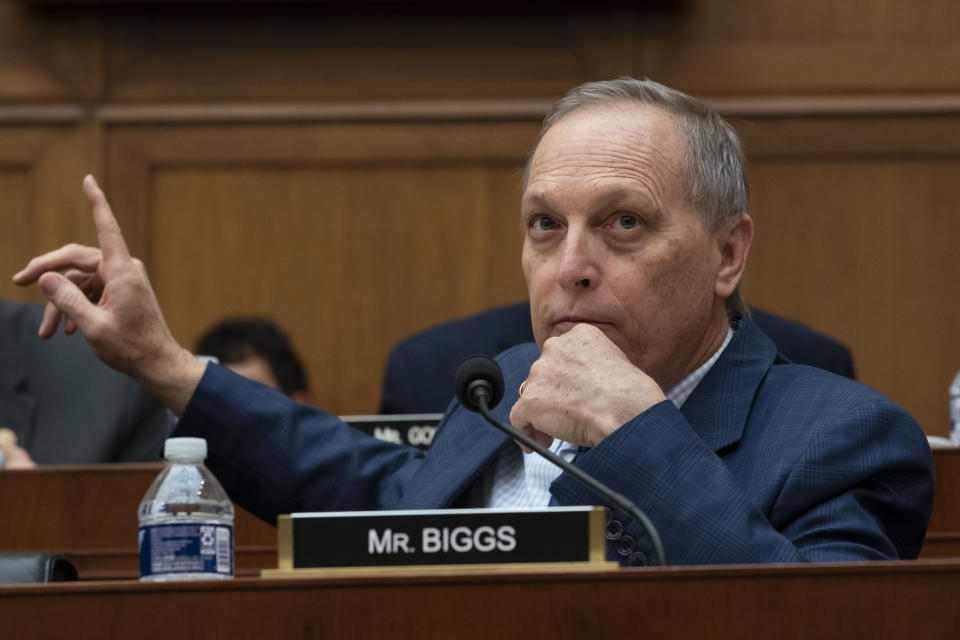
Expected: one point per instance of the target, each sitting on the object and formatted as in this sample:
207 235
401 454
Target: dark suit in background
802 345
64 404
419 372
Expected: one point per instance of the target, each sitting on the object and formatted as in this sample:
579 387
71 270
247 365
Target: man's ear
734 243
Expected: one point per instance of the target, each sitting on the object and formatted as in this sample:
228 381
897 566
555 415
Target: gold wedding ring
520 390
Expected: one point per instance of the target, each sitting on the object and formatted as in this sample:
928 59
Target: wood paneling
89 514
42 207
153 52
338 51
376 230
856 231
49 55
856 600
246 144
351 236
715 47
943 534
324 53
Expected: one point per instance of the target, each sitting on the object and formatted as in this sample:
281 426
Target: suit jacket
419 374
418 377
66 406
766 461
802 345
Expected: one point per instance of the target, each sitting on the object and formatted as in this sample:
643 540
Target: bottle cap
185 449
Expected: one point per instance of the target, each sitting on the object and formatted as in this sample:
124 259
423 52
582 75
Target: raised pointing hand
106 294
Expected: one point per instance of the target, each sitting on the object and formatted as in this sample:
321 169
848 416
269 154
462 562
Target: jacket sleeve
861 488
275 456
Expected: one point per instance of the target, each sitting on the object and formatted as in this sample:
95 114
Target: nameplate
415 429
442 537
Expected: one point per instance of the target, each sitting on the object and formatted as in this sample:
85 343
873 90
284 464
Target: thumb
68 299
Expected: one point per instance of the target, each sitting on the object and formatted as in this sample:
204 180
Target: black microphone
479 384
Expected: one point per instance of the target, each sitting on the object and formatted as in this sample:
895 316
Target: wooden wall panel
478 50
752 47
49 55
42 208
856 236
19 227
311 52
220 117
350 241
162 52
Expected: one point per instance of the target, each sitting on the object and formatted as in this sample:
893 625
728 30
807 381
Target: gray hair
713 162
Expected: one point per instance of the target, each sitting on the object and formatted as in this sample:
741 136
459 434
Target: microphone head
478 372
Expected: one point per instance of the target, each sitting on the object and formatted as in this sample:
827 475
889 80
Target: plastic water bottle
955 410
186 519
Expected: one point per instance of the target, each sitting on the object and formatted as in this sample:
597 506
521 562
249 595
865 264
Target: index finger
109 236
71 256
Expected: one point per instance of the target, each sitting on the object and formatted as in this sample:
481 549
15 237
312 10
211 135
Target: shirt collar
682 390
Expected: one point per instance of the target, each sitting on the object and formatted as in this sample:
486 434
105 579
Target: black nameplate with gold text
441 537
415 429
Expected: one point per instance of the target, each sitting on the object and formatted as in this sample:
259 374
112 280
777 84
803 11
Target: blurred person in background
258 349
65 406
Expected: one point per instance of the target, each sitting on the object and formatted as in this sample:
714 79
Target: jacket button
614 529
638 559
625 545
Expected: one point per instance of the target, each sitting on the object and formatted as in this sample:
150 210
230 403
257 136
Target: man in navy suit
645 371
418 377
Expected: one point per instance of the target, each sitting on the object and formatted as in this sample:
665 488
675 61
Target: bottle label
187 547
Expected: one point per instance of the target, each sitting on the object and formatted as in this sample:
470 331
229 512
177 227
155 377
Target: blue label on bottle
186 548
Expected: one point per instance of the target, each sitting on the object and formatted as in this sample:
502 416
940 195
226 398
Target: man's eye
628 221
543 223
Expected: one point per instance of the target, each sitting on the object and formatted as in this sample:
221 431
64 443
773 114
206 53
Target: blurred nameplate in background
414 429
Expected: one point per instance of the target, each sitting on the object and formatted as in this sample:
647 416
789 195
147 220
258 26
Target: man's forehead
609 143
602 195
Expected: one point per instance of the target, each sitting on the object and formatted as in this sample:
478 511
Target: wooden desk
862 600
89 513
943 534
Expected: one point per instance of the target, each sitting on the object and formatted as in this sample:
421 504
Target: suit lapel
720 405
464 445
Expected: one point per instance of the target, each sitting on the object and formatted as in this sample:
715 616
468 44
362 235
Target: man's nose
578 267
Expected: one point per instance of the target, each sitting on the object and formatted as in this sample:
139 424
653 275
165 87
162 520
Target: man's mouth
565 323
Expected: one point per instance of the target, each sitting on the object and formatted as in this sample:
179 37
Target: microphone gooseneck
479 384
